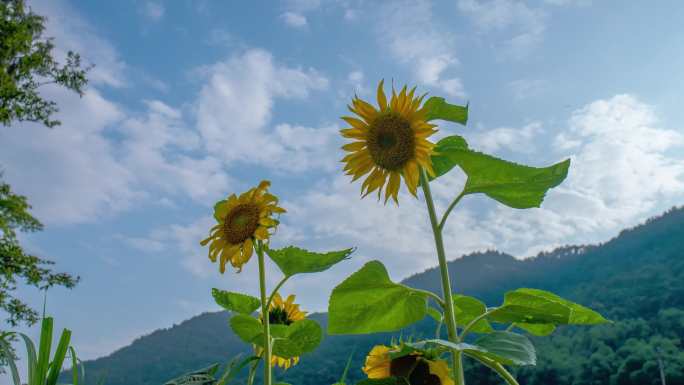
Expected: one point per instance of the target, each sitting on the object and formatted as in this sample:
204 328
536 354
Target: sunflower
415 367
389 142
241 222
283 313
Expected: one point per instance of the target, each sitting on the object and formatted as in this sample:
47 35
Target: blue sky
192 100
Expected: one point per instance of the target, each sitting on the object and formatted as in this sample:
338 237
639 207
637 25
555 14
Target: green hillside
636 279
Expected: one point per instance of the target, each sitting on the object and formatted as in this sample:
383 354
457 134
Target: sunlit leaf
466 309
438 108
512 184
369 302
248 328
293 260
300 337
237 302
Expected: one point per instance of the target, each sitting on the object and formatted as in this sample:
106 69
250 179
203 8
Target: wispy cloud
409 30
520 27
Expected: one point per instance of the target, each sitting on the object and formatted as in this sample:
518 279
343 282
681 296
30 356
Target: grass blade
58 360
31 356
74 365
44 350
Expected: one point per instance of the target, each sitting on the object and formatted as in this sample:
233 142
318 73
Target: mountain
635 279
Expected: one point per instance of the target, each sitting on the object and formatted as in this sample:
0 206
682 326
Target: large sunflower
283 313
416 368
241 222
389 142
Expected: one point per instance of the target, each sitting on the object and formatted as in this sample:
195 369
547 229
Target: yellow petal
440 369
382 99
354 146
393 187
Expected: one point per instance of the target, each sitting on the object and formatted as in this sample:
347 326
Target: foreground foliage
635 280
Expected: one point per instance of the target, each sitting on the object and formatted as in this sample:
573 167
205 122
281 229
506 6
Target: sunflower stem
264 313
273 293
449 315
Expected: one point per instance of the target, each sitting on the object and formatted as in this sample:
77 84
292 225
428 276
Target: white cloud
293 19
153 10
408 29
70 173
625 168
520 140
521 27
235 106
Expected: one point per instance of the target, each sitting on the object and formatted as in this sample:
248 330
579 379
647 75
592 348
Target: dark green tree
27 63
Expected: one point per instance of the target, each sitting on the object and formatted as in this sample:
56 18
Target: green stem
432 295
500 370
472 323
264 313
448 211
449 315
281 283
252 372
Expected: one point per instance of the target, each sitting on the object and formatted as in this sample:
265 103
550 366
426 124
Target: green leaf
236 302
58 360
435 314
512 184
466 309
300 337
532 306
369 302
438 108
291 340
506 348
248 328
293 260
541 330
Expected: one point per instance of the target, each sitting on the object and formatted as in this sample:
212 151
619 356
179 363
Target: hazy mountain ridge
636 278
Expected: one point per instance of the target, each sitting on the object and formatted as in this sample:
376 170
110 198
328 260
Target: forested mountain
636 280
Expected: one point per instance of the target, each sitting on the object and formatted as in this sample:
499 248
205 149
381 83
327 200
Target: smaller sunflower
389 143
283 313
415 367
241 222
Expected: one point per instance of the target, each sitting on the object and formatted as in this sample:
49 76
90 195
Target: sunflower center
241 223
278 316
415 370
391 141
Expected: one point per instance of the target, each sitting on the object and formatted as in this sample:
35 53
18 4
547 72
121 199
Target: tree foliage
17 265
27 63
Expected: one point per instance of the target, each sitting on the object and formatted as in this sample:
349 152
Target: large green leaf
506 348
466 309
512 184
291 340
438 108
299 337
369 302
529 307
248 328
293 260
236 302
